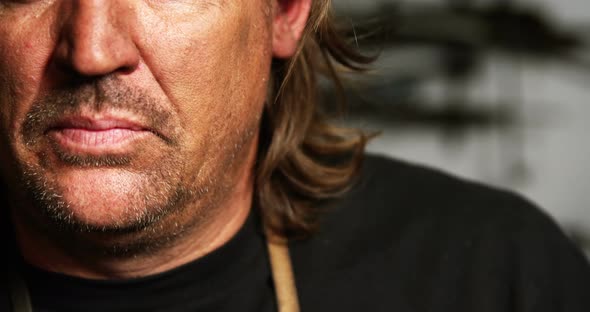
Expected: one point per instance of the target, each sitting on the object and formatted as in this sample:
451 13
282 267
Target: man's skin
128 130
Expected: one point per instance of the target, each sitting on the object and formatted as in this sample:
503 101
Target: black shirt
230 278
406 238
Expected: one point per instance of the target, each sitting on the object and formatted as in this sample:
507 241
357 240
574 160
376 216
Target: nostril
90 62
127 70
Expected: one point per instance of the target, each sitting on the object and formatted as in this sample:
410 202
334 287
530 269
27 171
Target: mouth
97 135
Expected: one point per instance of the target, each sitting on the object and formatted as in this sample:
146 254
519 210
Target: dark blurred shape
495 27
462 35
459 37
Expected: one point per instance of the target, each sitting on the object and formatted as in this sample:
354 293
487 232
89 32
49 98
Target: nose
95 39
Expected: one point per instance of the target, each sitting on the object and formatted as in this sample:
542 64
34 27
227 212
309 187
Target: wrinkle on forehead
267 9
212 3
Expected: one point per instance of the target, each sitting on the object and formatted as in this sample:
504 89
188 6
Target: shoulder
392 194
399 204
433 236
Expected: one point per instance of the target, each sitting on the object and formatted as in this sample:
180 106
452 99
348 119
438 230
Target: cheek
24 51
218 81
24 54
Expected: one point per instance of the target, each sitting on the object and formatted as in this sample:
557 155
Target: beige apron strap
19 294
282 274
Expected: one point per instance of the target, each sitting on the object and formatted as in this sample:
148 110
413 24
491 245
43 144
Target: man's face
114 114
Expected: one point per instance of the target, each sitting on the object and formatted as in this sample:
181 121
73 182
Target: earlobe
289 22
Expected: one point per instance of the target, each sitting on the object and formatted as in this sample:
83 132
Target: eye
20 3
16 2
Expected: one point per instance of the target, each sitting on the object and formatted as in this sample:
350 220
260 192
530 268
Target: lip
102 135
97 124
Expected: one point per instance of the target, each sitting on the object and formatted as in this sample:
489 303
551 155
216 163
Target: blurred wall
544 156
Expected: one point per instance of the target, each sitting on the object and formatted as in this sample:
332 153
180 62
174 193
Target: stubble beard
145 228
165 206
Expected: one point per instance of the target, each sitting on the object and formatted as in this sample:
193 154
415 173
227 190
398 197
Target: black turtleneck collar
234 277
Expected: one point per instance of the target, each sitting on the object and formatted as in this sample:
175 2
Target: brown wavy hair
304 159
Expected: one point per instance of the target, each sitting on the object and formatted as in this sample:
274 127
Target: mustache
99 96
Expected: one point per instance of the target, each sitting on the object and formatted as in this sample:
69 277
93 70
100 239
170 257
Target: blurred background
490 90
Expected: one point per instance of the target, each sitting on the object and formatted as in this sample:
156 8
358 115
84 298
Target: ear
290 19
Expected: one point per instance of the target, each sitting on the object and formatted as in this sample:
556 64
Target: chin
101 199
